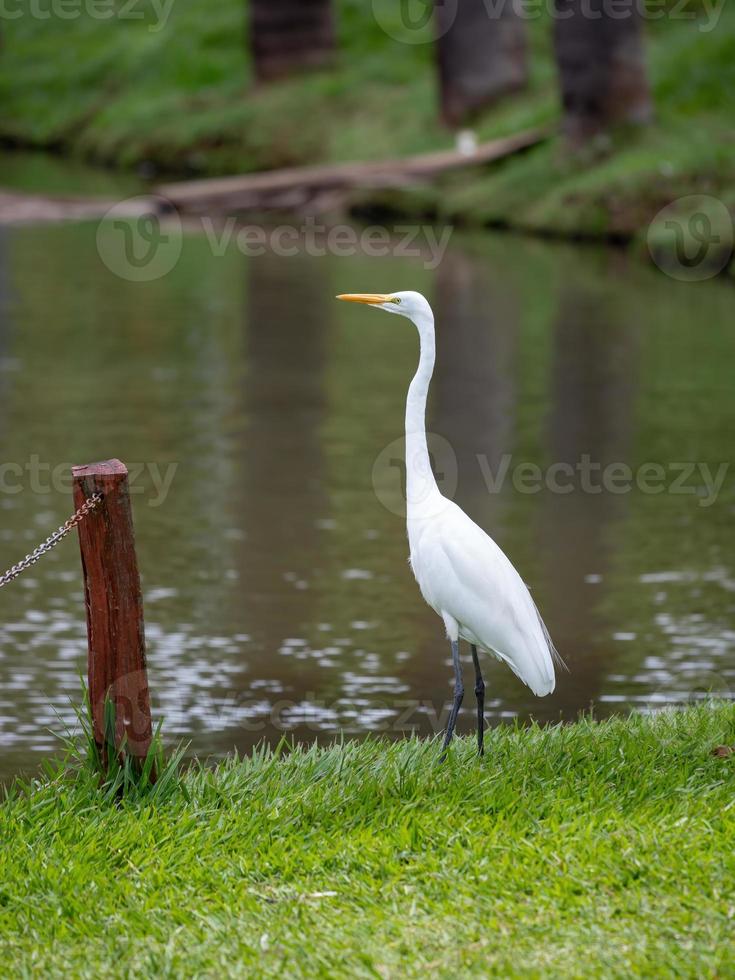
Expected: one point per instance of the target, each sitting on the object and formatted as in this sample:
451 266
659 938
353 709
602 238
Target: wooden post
116 664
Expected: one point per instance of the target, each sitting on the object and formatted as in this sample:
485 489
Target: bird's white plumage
468 580
462 573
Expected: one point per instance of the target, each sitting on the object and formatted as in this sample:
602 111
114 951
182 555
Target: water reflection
278 596
592 379
474 390
285 508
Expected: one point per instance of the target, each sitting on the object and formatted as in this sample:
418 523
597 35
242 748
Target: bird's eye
396 299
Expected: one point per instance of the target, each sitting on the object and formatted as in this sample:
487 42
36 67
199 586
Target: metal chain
89 505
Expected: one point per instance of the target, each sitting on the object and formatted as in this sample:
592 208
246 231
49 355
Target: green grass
616 188
603 850
183 97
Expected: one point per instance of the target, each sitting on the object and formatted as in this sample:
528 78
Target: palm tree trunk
288 36
481 53
602 66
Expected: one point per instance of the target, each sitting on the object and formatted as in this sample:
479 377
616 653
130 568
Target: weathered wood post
116 663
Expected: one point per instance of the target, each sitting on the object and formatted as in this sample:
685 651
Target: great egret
462 573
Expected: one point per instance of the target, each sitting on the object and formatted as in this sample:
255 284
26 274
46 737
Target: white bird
462 573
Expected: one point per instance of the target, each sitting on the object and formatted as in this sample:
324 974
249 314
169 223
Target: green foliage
177 93
617 188
582 850
115 774
180 94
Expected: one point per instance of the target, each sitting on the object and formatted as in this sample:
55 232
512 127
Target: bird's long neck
421 488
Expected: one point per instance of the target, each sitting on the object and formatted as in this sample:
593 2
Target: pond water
265 420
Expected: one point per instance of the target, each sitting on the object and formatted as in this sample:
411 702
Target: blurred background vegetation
186 87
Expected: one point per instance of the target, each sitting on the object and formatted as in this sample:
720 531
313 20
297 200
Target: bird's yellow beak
372 299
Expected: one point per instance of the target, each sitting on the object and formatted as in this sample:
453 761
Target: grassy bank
615 190
587 850
175 94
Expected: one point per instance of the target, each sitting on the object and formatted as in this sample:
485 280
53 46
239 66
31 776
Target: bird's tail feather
555 655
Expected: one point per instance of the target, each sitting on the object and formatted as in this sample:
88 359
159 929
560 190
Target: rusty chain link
89 505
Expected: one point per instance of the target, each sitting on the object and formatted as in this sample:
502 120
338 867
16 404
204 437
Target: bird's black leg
480 695
458 695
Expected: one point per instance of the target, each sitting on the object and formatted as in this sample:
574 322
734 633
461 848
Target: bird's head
408 304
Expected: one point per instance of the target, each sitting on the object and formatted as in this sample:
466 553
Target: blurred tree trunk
481 51
288 36
602 65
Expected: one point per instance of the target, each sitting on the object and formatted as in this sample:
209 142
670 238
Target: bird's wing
487 596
